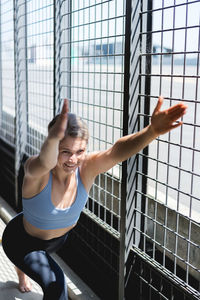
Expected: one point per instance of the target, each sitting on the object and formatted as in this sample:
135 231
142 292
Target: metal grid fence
167 202
91 73
76 49
40 71
90 38
7 66
153 283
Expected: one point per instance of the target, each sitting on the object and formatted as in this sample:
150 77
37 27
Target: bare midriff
44 234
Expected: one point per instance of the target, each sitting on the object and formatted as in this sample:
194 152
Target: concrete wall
189 235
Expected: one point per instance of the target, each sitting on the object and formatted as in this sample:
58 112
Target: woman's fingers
177 112
159 104
61 123
59 128
65 108
175 107
164 120
176 125
63 114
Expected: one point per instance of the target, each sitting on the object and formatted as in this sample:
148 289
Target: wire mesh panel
40 71
91 35
76 49
169 197
7 93
90 38
153 283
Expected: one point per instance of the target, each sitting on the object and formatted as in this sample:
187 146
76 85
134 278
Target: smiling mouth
69 166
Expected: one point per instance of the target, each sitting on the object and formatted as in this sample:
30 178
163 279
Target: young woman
55 189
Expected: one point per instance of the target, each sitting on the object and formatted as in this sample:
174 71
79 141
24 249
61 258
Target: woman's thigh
30 256
15 241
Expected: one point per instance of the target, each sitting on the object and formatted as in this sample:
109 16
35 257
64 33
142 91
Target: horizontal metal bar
168 164
169 53
4 2
102 223
6 11
150 285
95 72
86 7
165 205
185 123
167 185
106 208
170 98
168 7
93 22
39 22
105 37
107 192
94 56
38 34
170 29
160 75
92 89
155 221
39 9
159 245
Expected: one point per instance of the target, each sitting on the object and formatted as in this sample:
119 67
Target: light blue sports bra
40 211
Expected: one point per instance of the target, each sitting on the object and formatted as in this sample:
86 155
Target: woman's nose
73 158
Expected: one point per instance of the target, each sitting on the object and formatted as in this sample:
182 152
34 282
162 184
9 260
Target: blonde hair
76 127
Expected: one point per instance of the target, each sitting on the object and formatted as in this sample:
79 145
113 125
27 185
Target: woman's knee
43 269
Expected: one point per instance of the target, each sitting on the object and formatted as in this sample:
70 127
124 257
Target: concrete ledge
77 289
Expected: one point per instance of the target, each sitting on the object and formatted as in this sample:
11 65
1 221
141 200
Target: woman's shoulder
29 161
33 181
86 170
35 169
33 185
91 156
89 160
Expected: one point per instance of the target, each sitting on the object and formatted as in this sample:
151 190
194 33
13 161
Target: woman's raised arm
161 122
47 158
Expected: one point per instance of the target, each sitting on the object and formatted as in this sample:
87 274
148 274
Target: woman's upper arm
34 168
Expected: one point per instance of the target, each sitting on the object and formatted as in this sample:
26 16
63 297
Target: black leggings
31 255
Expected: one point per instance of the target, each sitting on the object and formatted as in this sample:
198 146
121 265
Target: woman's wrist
53 138
152 132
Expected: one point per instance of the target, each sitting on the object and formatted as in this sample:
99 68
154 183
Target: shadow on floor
9 291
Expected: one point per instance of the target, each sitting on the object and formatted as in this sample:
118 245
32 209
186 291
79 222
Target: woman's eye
66 152
80 151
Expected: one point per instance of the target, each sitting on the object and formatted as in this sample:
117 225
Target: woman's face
72 152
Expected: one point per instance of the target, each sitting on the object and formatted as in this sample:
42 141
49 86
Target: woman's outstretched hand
57 131
163 121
